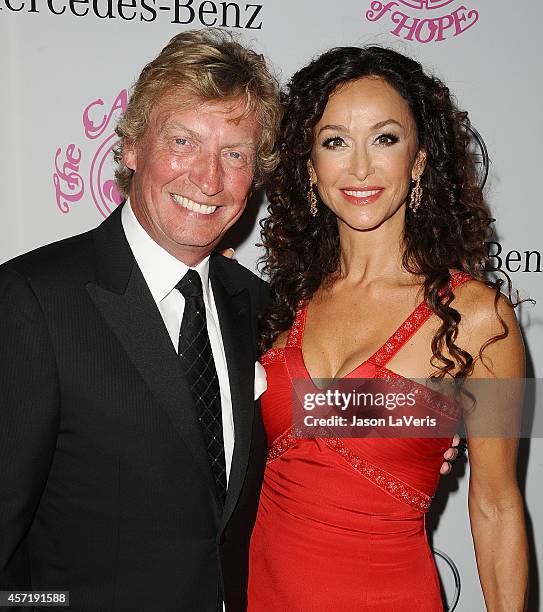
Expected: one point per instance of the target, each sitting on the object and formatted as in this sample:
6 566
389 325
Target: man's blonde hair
203 66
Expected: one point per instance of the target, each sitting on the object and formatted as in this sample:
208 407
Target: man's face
193 170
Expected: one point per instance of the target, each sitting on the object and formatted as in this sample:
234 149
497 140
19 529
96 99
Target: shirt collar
161 270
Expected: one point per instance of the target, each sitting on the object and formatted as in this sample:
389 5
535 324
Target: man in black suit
119 477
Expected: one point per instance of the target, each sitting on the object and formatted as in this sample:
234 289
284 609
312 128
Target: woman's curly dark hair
449 230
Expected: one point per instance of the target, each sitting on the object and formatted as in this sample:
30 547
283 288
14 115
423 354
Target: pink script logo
67 178
433 28
426 4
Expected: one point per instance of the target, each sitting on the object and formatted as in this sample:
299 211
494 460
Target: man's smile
191 205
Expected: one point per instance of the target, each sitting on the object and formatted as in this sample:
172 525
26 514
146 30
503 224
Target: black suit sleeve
29 407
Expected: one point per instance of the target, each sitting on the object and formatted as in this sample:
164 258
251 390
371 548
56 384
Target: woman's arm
497 524
495 504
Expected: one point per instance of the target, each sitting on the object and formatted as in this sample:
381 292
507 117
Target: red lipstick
360 196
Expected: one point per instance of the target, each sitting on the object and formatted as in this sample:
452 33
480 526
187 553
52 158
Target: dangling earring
416 196
312 199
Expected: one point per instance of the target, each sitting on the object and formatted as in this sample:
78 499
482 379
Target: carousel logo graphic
450 579
70 180
479 153
430 26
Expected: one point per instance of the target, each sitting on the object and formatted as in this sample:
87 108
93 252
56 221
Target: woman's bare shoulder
487 315
482 307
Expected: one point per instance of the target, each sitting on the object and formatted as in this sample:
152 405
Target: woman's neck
367 256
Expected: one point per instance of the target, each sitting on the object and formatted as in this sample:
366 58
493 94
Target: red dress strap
411 325
458 279
296 332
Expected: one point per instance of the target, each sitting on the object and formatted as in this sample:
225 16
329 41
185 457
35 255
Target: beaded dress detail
340 524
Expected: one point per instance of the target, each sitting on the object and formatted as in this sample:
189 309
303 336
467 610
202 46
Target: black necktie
197 360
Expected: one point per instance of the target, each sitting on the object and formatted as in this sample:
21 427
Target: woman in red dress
375 252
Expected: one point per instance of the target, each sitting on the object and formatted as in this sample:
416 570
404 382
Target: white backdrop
63 68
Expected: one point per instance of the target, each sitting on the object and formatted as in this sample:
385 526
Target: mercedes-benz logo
450 578
479 154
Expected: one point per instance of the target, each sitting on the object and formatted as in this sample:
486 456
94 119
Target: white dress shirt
162 272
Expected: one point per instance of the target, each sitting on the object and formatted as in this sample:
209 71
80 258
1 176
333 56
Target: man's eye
236 158
181 141
333 142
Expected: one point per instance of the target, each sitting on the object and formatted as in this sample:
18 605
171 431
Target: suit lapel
234 310
124 300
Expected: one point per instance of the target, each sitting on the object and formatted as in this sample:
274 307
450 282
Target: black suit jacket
105 484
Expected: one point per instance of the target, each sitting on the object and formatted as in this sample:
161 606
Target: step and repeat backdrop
66 70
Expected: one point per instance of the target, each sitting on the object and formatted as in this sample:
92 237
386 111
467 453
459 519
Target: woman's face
365 153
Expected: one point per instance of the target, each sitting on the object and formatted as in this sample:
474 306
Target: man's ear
129 154
419 165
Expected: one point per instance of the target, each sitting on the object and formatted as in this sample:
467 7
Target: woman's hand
451 455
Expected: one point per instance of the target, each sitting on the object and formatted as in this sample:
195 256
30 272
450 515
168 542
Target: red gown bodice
340 524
